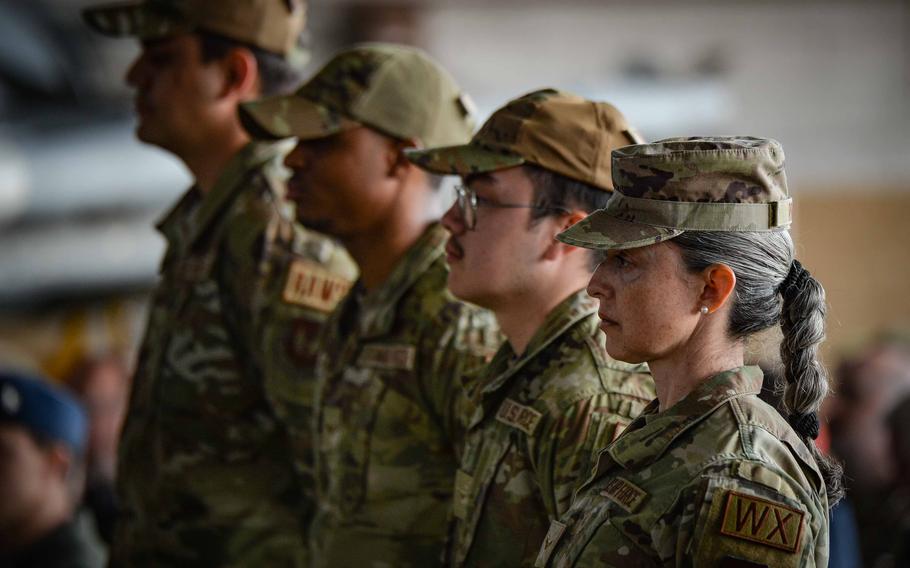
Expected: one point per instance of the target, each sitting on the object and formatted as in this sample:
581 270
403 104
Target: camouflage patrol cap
559 131
273 25
734 184
395 89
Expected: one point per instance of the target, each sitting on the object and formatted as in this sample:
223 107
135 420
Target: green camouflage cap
273 25
559 131
688 184
395 89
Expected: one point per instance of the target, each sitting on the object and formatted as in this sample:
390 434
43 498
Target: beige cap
272 25
396 89
559 131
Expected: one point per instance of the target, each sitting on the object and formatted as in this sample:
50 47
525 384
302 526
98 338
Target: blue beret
48 411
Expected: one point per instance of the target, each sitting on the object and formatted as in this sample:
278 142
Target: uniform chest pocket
348 417
479 469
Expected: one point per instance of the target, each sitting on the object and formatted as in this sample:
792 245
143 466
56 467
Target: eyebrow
481 177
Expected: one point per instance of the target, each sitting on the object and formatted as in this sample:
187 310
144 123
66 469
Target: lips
604 320
453 250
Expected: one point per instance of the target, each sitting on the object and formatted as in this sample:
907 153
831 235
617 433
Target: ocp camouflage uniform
206 475
389 374
719 479
537 422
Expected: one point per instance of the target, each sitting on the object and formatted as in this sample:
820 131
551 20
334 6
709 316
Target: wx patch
763 522
311 285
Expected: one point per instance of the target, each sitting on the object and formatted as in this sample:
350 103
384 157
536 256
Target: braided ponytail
802 321
773 288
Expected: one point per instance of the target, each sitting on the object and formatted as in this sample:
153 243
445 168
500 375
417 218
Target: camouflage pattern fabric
536 422
206 475
719 479
688 184
389 371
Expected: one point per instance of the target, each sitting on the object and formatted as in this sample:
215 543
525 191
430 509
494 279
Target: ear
563 222
241 74
398 164
719 282
59 460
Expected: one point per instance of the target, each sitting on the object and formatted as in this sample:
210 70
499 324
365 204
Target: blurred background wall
829 79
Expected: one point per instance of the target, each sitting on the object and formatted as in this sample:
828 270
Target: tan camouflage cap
273 25
395 89
688 184
555 130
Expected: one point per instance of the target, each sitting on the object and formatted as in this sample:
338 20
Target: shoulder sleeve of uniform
751 516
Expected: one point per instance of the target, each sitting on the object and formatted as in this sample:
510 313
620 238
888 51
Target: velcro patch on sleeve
387 356
625 494
763 522
311 285
518 416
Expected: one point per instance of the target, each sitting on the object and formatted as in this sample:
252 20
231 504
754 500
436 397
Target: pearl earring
703 310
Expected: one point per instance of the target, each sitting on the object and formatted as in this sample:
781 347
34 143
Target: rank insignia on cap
313 286
518 416
762 521
625 494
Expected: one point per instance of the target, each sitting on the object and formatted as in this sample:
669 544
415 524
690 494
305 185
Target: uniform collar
378 307
252 156
505 364
649 435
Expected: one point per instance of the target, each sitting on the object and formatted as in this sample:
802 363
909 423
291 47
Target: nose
453 220
298 159
598 286
136 72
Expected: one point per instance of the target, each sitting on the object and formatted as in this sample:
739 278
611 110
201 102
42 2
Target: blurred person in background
42 475
870 384
699 258
393 353
551 395
206 474
898 501
102 384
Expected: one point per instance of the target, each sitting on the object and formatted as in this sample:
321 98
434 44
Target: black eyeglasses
468 201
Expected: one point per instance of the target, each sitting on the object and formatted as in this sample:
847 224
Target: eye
620 260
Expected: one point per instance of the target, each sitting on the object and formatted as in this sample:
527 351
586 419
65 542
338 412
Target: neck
40 521
677 375
524 314
207 162
377 252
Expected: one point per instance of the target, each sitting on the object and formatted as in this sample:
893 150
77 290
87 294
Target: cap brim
462 160
291 115
602 231
132 19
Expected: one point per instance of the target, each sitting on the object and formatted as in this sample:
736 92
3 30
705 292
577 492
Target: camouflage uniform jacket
205 473
536 424
719 479
389 373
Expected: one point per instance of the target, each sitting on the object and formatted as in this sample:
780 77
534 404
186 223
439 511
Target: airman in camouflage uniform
393 353
206 468
717 477
551 396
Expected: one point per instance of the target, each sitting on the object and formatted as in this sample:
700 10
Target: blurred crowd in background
79 196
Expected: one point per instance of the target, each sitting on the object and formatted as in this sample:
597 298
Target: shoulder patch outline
311 285
756 523
518 416
625 494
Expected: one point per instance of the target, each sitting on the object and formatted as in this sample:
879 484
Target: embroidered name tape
387 356
518 416
313 286
762 521
625 494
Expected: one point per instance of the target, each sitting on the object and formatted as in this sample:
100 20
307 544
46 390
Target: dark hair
276 74
555 190
772 288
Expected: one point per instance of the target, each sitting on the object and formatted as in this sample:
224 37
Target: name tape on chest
518 416
625 494
388 356
550 541
313 286
763 522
